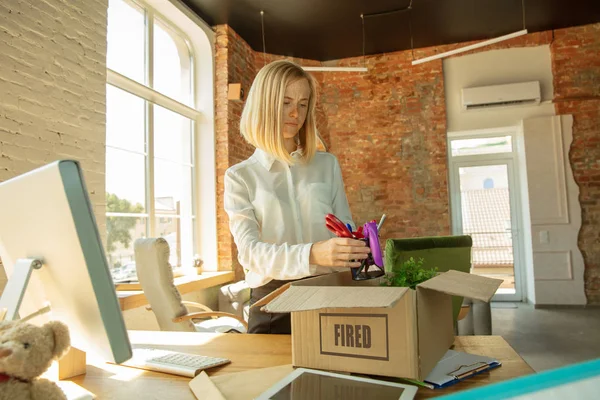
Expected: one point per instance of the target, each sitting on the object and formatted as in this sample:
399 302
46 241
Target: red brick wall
234 64
576 70
388 129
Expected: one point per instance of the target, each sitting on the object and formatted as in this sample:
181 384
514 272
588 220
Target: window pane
172 136
491 145
168 228
125 120
178 233
125 178
126 39
487 218
173 191
172 188
172 72
122 232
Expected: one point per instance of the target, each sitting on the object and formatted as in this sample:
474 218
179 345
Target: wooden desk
246 352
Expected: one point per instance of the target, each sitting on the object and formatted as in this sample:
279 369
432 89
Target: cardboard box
343 325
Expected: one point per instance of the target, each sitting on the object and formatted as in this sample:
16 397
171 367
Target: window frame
151 97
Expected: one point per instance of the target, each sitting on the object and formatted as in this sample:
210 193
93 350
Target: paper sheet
244 385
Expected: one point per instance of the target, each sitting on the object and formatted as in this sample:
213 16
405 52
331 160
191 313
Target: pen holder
373 259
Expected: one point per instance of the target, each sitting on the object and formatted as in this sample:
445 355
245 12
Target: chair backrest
156 278
441 252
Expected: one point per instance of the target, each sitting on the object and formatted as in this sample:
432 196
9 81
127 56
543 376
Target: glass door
484 206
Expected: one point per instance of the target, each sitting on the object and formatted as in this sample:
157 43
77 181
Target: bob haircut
261 123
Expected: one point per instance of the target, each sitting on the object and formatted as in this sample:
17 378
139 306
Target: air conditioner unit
526 93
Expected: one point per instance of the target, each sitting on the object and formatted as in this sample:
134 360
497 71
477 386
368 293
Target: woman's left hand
339 252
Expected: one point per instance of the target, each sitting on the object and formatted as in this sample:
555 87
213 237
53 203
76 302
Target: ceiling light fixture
335 69
478 45
471 47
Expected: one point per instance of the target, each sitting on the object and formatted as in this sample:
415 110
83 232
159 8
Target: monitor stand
71 364
11 299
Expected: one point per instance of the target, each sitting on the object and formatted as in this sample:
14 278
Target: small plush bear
26 352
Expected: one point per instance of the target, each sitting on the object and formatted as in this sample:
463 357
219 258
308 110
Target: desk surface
246 352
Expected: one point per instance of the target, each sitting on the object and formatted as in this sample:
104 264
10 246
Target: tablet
310 384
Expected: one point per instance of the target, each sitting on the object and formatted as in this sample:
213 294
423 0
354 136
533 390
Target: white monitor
46 215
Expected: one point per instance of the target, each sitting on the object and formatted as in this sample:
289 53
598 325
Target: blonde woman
278 198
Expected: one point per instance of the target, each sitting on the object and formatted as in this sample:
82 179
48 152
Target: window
150 141
475 146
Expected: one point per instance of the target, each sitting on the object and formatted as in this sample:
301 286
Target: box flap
271 296
462 284
435 328
303 298
343 278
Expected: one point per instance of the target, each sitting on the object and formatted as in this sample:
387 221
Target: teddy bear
26 352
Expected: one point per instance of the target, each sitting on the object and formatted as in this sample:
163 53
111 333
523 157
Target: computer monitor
46 215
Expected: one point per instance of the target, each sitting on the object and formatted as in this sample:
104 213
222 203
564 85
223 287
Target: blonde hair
261 123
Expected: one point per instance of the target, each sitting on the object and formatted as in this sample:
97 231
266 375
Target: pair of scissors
336 226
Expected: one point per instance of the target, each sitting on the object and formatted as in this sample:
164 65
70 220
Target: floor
506 273
548 338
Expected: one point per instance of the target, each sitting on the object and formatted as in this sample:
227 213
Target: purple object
370 232
371 237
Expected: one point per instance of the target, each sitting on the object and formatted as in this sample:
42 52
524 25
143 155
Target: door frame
511 160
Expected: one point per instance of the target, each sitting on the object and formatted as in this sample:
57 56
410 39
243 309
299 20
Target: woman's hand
339 252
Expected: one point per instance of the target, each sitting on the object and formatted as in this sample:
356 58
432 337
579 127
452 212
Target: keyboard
172 362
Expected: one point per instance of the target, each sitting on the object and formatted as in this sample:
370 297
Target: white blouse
276 212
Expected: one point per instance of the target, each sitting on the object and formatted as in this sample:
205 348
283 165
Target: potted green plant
410 274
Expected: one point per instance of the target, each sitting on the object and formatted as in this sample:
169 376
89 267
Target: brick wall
53 85
397 142
234 64
388 129
576 70
53 88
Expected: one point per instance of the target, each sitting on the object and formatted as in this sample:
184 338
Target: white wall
53 90
496 67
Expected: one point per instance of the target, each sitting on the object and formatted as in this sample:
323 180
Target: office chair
156 278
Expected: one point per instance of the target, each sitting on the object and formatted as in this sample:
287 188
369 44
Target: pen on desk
380 222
